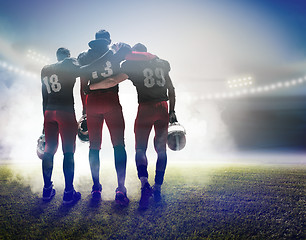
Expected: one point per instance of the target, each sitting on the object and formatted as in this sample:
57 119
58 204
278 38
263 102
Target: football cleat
121 198
48 193
157 196
96 192
146 194
176 140
82 129
71 197
41 142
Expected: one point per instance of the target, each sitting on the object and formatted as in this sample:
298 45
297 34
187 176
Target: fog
206 43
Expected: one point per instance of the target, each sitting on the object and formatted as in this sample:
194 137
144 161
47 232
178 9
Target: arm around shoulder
109 82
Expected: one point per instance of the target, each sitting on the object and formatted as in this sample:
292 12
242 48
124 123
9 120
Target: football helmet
40 149
82 129
176 140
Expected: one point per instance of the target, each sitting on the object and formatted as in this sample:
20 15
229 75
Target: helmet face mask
82 129
176 140
40 149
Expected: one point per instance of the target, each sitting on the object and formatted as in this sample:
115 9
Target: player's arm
44 98
83 83
109 82
44 91
172 100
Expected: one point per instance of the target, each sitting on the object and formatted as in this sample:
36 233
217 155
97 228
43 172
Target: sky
206 42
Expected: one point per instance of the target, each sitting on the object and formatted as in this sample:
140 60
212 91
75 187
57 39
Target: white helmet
176 140
82 129
40 149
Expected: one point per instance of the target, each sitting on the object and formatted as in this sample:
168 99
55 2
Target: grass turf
199 202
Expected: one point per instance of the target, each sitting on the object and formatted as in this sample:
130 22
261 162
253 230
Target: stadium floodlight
258 90
266 88
17 70
37 57
239 82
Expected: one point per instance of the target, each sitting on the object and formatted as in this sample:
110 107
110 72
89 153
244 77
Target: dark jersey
57 85
96 68
149 78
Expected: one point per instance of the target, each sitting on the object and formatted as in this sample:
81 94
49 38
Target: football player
100 62
58 80
150 76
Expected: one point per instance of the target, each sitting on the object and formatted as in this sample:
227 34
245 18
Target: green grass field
199 202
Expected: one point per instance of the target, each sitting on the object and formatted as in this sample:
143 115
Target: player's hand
86 89
172 117
117 46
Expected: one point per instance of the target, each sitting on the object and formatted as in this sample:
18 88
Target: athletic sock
159 177
157 187
143 181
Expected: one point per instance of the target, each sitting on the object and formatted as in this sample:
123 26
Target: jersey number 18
53 83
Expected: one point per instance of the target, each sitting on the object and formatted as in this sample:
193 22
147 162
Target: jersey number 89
53 83
149 75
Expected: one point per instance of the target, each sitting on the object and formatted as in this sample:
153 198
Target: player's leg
160 141
68 131
116 126
142 129
51 138
95 125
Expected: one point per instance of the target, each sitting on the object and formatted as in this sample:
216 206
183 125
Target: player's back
58 80
107 65
149 78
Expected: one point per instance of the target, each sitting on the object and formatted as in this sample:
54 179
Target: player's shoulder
47 68
87 57
70 61
120 50
164 63
83 57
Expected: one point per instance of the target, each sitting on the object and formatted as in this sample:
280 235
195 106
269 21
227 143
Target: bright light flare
17 70
233 83
37 57
239 82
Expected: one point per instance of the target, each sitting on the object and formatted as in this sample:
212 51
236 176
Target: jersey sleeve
44 90
127 68
165 64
